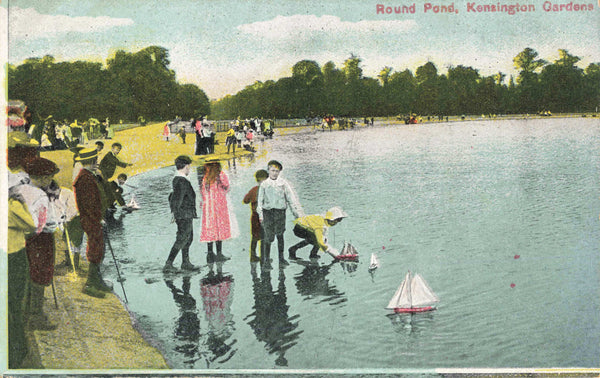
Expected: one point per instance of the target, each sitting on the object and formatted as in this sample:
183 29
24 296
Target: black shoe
292 253
283 262
220 257
210 258
93 292
315 257
169 268
104 286
189 267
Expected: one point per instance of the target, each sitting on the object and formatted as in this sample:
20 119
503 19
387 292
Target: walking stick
73 275
116 265
54 294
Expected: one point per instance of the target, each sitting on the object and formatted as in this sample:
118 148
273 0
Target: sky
224 45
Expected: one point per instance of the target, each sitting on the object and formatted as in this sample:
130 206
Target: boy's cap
261 173
184 158
275 163
41 167
335 212
87 154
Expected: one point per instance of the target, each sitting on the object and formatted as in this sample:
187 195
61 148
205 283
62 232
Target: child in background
252 198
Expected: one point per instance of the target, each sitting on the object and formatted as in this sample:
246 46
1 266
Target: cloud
29 24
299 26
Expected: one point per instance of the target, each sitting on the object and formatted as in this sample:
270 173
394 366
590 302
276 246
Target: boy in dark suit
183 207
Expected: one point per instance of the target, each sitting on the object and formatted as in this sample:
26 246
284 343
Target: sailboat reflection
270 320
187 328
216 289
312 282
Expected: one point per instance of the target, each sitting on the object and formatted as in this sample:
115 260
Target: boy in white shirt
275 195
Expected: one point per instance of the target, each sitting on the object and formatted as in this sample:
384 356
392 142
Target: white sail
421 293
374 264
413 292
133 203
348 249
402 297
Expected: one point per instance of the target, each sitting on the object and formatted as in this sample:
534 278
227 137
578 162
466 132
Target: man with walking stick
89 204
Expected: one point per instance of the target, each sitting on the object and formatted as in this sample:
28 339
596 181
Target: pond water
500 217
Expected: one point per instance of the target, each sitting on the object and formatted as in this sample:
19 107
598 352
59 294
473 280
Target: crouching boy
313 230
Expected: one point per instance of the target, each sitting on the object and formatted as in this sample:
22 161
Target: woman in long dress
218 222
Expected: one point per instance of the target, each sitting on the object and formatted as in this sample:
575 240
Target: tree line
130 86
137 84
312 90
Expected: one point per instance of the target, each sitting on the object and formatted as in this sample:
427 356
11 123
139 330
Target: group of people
205 136
38 209
60 135
269 201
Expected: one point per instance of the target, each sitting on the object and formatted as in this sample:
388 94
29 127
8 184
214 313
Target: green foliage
131 85
141 84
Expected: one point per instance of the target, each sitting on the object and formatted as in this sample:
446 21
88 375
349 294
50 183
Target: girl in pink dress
218 223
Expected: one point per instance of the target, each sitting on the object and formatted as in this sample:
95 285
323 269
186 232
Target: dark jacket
183 199
108 165
116 192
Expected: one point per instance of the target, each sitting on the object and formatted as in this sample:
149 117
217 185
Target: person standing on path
40 247
181 133
109 162
20 226
89 203
230 140
275 195
252 198
218 222
182 202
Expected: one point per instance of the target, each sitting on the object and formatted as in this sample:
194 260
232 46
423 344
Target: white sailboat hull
413 295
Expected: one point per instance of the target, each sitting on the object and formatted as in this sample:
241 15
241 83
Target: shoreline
94 333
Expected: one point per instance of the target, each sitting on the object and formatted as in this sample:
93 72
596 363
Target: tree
528 94
561 84
426 101
592 87
463 83
384 75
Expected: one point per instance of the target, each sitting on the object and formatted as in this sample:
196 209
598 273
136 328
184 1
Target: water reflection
313 282
187 328
270 321
216 289
411 324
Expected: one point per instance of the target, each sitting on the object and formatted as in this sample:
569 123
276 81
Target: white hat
335 212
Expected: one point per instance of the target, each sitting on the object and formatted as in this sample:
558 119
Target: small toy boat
348 253
413 295
374 264
133 205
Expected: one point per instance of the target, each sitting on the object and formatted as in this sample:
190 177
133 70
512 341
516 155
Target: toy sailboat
348 253
133 205
374 264
413 295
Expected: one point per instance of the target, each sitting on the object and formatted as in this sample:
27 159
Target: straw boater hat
212 160
87 154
